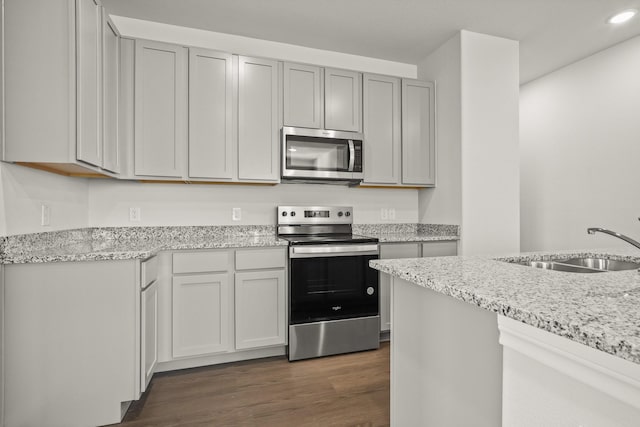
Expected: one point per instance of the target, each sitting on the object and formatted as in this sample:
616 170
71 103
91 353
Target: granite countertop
121 243
600 310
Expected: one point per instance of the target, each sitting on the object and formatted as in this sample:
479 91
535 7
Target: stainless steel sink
603 264
582 265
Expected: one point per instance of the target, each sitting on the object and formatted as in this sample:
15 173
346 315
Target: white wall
201 204
443 204
477 126
580 152
24 190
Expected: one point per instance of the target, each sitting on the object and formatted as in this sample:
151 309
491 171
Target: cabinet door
89 82
418 133
381 110
260 309
110 75
210 115
200 314
258 146
440 248
303 96
160 109
149 336
392 251
342 100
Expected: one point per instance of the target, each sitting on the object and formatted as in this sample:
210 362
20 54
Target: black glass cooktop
328 238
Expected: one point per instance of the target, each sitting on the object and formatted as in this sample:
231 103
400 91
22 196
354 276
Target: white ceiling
552 33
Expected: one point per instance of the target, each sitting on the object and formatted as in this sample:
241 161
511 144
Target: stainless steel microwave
321 156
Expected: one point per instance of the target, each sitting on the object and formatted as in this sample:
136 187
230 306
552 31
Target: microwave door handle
352 155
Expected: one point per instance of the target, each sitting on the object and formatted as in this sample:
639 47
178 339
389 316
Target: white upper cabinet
110 76
160 104
303 96
211 141
342 100
53 80
418 133
319 98
258 120
381 123
89 86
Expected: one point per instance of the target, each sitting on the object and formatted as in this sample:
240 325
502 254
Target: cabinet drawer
200 262
399 250
442 248
260 258
148 271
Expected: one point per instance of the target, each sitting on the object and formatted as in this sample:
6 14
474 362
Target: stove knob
284 213
370 290
340 213
293 213
347 213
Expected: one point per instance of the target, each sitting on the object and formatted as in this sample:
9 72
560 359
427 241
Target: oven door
329 282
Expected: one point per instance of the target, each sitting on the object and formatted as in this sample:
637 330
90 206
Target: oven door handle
328 251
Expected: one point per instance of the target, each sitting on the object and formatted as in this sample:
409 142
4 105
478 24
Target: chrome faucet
614 234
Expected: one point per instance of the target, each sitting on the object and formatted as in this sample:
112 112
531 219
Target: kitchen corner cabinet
406 250
322 98
259 120
54 77
160 104
381 125
211 137
418 133
260 298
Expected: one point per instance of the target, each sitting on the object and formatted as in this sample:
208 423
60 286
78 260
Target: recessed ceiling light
623 16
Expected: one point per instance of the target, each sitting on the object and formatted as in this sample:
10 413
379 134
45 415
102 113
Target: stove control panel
315 215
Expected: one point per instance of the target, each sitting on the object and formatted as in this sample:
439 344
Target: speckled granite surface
600 310
118 243
398 233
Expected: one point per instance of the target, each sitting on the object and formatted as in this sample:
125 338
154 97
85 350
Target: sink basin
582 265
557 266
603 264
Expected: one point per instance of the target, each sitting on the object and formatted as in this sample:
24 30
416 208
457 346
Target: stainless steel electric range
333 293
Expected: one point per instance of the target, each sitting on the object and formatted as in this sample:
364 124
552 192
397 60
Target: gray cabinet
303 96
418 133
89 81
342 100
211 138
160 104
53 77
258 120
322 98
407 250
381 126
111 79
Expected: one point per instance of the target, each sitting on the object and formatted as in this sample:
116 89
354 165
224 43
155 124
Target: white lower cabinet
260 309
149 334
406 250
200 314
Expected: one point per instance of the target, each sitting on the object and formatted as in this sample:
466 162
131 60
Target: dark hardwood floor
345 390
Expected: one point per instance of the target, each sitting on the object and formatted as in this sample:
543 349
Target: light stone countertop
121 243
600 310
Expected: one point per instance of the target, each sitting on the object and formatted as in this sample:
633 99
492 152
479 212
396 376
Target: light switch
236 214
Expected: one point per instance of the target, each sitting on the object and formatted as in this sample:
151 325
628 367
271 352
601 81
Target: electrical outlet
392 214
134 214
384 214
236 214
45 216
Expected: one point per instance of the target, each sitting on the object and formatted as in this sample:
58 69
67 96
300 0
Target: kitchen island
480 341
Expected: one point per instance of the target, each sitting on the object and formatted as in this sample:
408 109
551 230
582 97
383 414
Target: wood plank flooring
345 390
